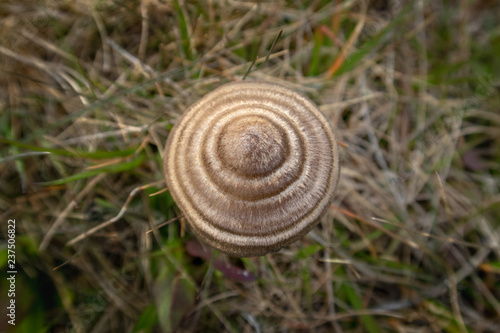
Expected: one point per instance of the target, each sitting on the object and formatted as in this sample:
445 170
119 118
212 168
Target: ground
89 91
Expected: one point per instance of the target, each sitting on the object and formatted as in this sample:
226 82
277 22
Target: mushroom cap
253 166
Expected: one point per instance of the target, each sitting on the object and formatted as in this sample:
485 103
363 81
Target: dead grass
89 90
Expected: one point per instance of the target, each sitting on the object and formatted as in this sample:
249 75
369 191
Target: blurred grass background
90 88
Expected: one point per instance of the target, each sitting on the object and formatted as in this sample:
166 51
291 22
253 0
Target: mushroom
253 166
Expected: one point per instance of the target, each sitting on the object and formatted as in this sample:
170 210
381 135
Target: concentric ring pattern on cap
252 165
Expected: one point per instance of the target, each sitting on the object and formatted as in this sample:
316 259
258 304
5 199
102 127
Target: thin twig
164 223
117 217
72 204
249 68
272 46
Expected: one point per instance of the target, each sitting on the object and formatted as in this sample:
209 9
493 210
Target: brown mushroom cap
252 165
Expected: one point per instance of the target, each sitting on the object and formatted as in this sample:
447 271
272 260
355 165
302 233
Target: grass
90 90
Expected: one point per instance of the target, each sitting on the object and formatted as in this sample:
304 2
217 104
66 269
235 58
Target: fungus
253 166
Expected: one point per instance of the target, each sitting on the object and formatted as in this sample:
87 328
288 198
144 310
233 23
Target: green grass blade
82 154
90 173
357 304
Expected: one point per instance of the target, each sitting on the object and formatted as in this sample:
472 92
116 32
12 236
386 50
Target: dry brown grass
89 89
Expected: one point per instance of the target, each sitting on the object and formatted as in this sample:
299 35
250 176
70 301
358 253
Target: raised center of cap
252 145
